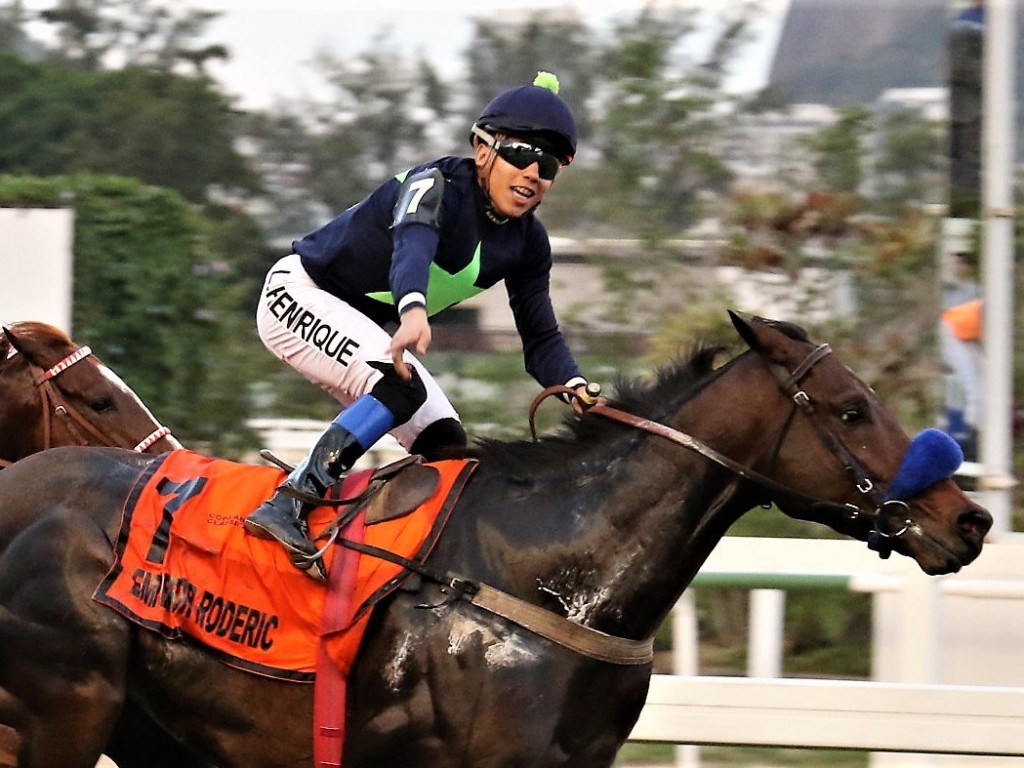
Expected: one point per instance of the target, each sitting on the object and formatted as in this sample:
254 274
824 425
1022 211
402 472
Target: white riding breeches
332 344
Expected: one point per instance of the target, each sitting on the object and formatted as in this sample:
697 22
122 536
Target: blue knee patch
367 419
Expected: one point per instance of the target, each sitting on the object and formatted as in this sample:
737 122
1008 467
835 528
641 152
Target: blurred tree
164 129
384 116
838 151
909 167
137 33
890 340
662 114
281 147
504 53
13 18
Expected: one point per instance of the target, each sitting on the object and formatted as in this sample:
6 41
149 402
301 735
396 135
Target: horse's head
840 458
57 393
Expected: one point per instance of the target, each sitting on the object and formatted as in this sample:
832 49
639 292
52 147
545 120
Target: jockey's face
514 192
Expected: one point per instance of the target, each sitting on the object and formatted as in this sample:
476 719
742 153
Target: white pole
998 101
765 639
686 661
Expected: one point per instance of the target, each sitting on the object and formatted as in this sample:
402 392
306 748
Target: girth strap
584 640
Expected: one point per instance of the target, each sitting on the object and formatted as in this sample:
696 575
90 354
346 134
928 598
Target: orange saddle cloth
185 567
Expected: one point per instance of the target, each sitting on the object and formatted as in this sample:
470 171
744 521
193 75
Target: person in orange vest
960 332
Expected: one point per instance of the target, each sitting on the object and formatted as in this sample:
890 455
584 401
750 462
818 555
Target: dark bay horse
54 392
603 526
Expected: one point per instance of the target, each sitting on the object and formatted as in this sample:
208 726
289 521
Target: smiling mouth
525 192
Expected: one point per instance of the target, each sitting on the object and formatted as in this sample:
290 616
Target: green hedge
153 299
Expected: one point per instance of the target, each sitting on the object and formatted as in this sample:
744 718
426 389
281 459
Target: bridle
888 516
56 406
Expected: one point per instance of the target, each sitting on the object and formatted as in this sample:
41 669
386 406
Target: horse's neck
656 530
643 525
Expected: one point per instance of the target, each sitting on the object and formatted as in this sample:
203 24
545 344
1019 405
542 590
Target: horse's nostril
976 520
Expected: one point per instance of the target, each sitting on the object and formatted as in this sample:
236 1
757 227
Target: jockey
425 240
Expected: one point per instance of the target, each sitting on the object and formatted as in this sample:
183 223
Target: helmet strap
489 210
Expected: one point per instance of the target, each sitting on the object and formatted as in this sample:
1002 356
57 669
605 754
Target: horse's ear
743 325
11 338
766 337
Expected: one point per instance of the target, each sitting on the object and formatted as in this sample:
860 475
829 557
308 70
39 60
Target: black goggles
521 154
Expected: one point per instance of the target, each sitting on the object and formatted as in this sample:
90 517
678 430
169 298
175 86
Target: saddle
393 491
184 566
397 489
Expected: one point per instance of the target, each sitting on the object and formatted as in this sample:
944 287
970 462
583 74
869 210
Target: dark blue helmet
534 112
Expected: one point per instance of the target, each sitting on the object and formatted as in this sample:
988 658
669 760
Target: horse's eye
102 405
852 416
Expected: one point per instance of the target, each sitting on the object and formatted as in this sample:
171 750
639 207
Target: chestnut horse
55 392
599 529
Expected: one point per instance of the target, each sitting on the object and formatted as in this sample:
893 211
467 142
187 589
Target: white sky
272 41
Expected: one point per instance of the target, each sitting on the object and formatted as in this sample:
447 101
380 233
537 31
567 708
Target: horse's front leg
62 656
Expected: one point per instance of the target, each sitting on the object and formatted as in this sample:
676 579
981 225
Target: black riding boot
283 515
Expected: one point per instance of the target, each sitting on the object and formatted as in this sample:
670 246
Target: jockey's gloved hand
587 394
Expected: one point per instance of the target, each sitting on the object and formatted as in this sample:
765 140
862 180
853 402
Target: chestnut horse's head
894 493
55 392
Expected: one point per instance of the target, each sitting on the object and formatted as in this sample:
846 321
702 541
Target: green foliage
910 164
502 56
656 138
377 123
163 129
838 150
154 300
142 34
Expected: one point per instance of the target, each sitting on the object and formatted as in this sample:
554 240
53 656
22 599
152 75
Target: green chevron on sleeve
444 289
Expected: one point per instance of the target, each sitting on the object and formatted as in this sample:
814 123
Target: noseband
888 516
55 404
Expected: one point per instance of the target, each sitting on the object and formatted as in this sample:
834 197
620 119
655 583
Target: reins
54 404
789 382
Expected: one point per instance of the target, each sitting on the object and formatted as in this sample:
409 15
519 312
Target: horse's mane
654 399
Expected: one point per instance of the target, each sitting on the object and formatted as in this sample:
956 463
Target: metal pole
998 101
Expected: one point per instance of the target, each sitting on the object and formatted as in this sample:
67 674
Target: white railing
913 712
836 714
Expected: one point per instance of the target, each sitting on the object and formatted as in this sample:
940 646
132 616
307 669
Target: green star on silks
444 288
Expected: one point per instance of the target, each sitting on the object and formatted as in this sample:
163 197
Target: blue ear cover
931 456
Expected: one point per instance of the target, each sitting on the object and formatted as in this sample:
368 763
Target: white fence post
767 623
686 662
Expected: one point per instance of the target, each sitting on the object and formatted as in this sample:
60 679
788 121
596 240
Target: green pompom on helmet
533 112
547 80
